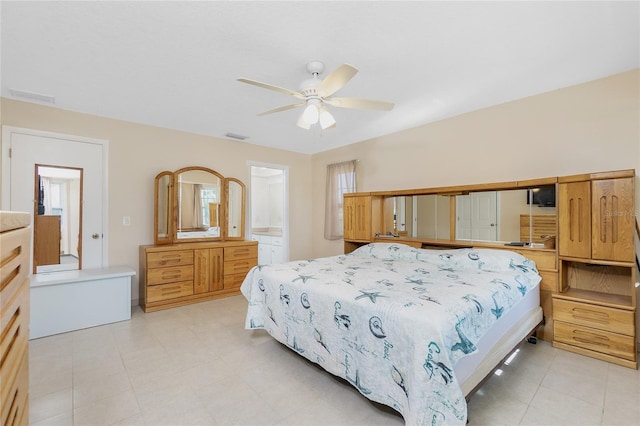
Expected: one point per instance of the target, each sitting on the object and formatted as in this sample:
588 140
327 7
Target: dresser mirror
235 191
198 204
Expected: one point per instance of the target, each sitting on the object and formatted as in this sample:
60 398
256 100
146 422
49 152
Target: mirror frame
173 208
176 203
35 212
156 209
227 181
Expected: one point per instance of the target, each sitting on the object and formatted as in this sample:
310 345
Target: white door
463 217
484 219
269 205
477 216
23 148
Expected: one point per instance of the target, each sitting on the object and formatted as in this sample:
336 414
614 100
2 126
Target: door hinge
9 152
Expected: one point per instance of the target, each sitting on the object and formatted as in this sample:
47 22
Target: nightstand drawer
169 291
543 259
169 258
549 280
596 340
600 317
169 275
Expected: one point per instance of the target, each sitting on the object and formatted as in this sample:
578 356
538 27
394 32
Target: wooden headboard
541 224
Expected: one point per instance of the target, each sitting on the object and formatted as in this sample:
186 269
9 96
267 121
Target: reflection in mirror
163 208
418 216
57 219
235 212
477 216
518 215
199 196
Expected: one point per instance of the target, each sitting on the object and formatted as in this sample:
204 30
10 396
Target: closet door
613 219
574 219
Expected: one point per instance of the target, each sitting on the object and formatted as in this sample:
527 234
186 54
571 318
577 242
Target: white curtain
46 189
341 178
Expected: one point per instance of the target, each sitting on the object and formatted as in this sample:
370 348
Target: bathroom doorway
269 212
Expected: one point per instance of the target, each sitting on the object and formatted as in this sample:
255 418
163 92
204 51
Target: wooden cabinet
594 314
175 275
15 246
357 217
47 241
597 219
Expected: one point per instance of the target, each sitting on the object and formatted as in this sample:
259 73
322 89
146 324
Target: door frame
5 201
285 201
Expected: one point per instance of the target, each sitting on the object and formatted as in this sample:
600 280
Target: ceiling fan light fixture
326 119
302 123
311 113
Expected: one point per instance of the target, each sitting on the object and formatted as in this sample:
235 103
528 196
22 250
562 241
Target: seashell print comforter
391 319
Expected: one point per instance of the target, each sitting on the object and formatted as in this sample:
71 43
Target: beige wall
589 127
138 152
585 128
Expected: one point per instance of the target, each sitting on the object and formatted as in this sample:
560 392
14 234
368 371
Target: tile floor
196 365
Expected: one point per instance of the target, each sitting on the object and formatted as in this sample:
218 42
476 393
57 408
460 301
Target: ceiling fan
316 94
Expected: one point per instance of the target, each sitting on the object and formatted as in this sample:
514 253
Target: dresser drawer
240 252
604 342
169 275
233 282
239 266
169 258
599 317
169 291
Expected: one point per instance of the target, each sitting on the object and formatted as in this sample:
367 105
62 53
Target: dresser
15 246
180 274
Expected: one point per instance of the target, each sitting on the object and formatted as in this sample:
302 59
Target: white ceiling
175 64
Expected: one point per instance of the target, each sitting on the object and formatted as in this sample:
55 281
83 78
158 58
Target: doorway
270 212
24 151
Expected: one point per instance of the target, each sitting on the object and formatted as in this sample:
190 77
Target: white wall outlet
126 220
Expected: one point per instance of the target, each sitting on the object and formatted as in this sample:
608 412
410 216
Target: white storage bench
72 300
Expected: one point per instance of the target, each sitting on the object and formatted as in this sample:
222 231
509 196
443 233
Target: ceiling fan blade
272 87
282 108
336 80
356 103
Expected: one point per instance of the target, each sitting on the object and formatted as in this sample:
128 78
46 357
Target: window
341 178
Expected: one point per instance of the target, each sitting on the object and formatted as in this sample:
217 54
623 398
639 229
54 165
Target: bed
415 329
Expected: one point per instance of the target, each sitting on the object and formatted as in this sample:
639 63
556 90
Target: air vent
236 136
33 96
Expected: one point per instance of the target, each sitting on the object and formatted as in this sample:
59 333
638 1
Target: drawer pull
5 355
13 409
10 277
171 275
590 338
590 316
12 255
170 258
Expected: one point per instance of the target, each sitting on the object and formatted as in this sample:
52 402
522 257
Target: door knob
95 236
493 224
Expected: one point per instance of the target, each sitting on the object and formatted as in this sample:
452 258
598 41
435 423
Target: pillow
386 251
488 260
